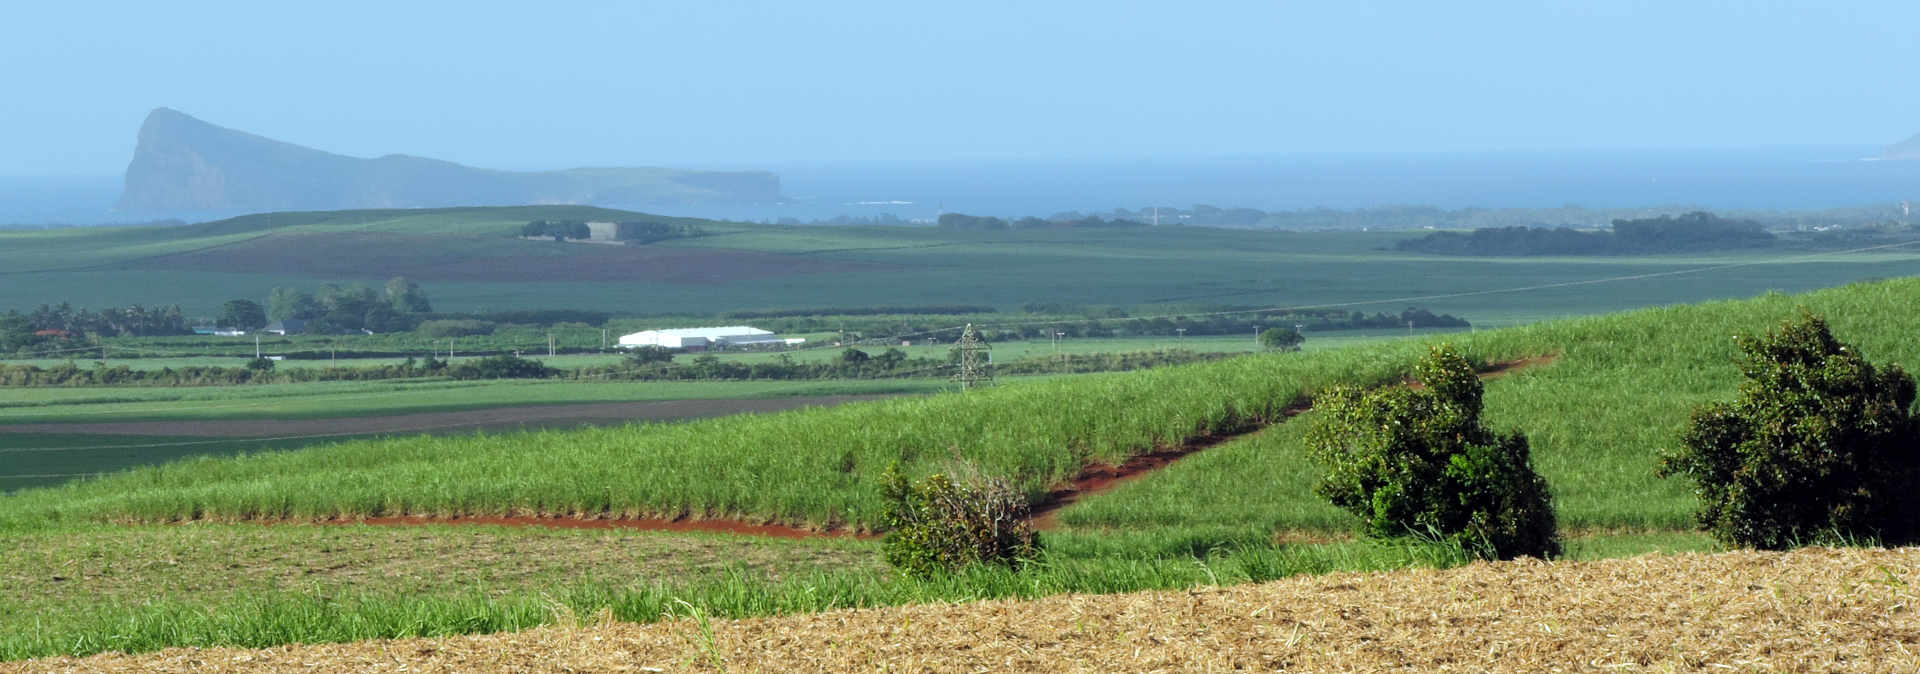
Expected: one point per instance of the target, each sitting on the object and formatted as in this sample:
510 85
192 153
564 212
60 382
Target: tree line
629 231
1237 323
958 221
647 364
1696 231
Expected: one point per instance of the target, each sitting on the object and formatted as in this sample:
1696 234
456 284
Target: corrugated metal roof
709 333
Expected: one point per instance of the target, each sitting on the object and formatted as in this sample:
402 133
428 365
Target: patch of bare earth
456 258
1811 610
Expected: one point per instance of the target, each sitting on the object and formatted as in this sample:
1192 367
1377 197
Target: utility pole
1409 328
549 345
972 370
1182 339
256 346
603 339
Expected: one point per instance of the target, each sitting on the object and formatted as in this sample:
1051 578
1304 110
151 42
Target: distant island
184 164
1906 149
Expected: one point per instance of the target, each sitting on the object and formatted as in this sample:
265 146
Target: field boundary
680 524
473 419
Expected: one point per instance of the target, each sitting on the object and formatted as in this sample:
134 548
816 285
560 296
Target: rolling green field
1603 395
468 260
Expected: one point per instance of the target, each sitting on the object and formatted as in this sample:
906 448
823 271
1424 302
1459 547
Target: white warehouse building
698 339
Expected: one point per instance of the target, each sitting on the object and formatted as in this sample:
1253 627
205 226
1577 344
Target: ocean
1776 178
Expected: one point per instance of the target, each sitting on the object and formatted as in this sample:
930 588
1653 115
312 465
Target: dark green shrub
260 364
1285 339
1416 461
454 328
643 356
1818 447
940 525
501 367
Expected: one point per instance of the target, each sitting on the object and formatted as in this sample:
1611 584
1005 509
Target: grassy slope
1620 390
1205 520
1594 425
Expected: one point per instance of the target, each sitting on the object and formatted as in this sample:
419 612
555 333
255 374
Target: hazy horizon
759 84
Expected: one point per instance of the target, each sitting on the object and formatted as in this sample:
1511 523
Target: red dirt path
1099 477
1092 479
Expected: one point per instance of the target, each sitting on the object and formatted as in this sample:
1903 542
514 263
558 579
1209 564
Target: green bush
454 328
1818 447
1286 339
1416 462
501 367
941 526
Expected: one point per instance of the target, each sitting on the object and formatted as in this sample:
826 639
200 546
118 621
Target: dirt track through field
1101 477
497 417
1810 610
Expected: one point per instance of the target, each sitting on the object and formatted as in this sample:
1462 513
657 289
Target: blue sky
559 84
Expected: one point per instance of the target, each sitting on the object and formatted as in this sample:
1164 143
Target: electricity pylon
974 369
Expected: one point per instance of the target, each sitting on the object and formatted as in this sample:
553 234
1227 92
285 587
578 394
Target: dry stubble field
1811 610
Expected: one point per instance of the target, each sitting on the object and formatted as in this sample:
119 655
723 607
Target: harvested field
497 417
1811 610
441 258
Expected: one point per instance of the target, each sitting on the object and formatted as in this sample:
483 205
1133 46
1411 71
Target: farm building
698 339
291 326
603 231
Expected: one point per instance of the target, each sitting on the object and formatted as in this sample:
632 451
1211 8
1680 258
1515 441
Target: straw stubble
1810 610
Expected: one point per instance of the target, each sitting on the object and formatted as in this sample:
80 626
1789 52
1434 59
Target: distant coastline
1798 179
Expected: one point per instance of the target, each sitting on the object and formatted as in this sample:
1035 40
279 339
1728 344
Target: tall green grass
814 466
1617 390
1621 385
1620 389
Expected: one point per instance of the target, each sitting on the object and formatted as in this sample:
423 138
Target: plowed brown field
1812 610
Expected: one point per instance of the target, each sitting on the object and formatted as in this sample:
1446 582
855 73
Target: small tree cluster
501 367
1819 446
1285 339
941 525
1416 461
